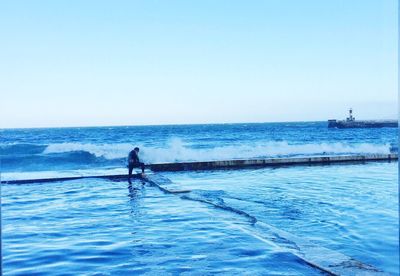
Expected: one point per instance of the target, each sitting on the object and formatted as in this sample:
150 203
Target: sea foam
176 150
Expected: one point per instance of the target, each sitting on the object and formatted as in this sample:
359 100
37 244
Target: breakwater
362 124
271 162
229 164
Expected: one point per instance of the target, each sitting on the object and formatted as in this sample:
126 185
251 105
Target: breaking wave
108 151
78 155
176 150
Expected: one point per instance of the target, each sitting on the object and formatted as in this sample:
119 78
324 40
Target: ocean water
101 227
61 150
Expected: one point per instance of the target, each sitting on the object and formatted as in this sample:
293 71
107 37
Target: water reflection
136 194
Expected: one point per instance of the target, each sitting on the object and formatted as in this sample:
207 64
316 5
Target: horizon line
171 124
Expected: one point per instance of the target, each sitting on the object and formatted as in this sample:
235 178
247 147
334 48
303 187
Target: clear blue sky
93 63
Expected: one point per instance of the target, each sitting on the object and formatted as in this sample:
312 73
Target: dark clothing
133 157
134 162
135 165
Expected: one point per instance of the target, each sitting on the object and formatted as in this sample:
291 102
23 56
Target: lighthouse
350 118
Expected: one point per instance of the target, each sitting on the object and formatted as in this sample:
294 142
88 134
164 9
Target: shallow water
352 209
99 227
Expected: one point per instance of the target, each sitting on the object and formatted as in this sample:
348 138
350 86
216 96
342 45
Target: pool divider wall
115 177
326 260
243 163
230 164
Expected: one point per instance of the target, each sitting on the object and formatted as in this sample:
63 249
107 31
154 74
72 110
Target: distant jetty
351 122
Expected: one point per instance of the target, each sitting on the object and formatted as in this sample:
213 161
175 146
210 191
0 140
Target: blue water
103 227
100 227
60 149
352 209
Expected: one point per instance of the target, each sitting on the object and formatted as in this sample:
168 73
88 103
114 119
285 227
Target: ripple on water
351 209
146 232
108 228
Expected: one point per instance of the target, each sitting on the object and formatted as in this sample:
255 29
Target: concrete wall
270 162
231 164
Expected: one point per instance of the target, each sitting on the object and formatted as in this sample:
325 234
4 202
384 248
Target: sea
58 150
104 227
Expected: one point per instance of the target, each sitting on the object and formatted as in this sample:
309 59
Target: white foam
108 151
176 150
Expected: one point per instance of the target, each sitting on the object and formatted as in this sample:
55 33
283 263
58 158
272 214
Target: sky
102 63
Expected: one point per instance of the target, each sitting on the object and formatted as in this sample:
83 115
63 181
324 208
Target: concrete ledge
210 165
229 164
56 179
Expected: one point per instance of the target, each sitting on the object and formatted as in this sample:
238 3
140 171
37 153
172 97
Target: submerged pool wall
231 164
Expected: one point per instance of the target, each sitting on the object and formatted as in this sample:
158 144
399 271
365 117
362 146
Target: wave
84 155
21 149
61 161
108 151
176 150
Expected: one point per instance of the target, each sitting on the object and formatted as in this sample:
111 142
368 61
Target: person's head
136 149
